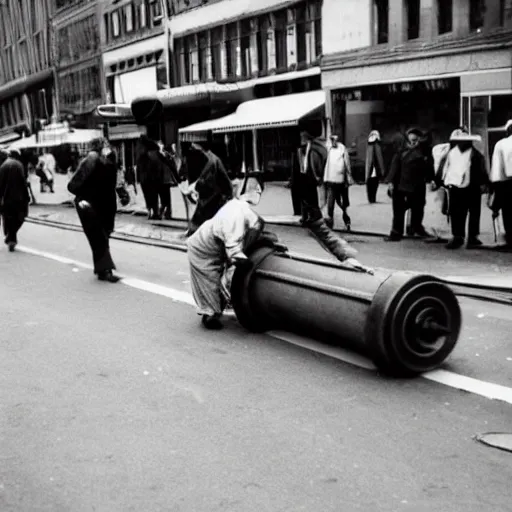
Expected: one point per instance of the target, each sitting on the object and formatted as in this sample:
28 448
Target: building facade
77 57
226 52
435 64
26 75
135 64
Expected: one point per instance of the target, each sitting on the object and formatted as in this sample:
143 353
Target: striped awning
199 131
9 137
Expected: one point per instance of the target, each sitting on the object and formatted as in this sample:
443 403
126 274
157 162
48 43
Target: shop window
193 58
116 24
381 21
413 19
245 44
128 17
205 61
444 16
476 14
232 50
280 34
261 41
218 53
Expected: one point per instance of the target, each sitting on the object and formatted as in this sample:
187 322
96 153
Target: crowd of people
224 227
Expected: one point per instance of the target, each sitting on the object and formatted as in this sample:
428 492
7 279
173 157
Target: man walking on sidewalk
14 197
501 182
337 180
411 169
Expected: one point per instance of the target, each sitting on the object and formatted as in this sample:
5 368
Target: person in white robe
218 246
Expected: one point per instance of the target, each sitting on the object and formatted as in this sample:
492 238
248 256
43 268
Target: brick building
77 57
389 64
26 75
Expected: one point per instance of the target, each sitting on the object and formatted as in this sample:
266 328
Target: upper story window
116 24
413 18
444 16
380 21
128 17
156 12
476 14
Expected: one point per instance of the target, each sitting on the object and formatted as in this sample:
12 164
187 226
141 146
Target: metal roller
406 323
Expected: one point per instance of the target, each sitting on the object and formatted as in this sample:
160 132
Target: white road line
450 379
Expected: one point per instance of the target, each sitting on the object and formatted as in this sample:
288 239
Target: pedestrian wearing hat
374 168
411 169
464 175
337 180
501 182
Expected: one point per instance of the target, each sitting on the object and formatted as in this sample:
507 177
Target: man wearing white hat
464 175
501 180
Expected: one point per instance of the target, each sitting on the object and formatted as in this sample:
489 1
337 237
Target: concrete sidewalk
276 208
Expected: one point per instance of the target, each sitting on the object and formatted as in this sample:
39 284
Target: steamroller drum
413 324
406 323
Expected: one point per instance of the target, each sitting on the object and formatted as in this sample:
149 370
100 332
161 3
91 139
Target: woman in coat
374 168
94 187
14 196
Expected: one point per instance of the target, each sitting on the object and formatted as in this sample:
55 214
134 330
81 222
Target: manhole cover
500 440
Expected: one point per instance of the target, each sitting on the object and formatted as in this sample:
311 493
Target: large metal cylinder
406 323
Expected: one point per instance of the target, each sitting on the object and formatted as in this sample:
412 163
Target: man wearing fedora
463 173
501 182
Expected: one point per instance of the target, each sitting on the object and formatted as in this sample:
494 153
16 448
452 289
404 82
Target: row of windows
77 40
285 39
80 88
11 112
28 56
137 15
21 18
444 15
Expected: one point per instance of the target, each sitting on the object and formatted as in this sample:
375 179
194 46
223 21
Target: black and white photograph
256 255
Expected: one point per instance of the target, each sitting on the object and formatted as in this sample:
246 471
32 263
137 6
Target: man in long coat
213 187
94 187
14 197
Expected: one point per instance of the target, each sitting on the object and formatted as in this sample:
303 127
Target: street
115 399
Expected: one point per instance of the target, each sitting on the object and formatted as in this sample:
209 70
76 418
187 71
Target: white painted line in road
450 379
471 385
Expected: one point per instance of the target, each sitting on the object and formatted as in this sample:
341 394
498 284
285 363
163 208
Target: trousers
372 185
12 220
464 201
98 238
402 201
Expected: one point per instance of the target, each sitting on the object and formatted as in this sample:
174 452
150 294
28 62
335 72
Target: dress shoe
474 243
455 243
392 238
212 322
12 246
108 276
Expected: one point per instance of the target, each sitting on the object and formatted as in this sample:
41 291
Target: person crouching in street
411 169
14 197
337 180
464 174
94 188
220 242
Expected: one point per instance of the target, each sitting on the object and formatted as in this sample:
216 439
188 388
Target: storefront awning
9 137
197 132
126 132
274 112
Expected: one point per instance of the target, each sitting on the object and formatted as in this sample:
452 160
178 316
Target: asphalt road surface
115 399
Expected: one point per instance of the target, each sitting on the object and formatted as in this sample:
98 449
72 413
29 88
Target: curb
475 290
